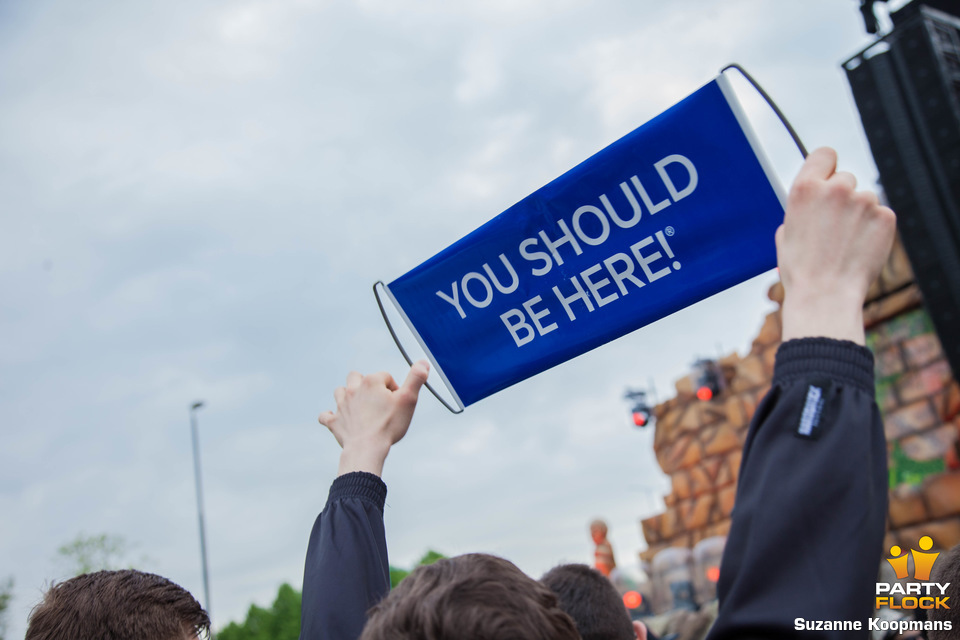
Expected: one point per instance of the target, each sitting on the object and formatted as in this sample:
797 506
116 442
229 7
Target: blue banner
681 208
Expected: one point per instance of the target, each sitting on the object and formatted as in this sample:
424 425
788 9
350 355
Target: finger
353 380
846 178
390 383
380 379
416 378
407 397
339 394
326 418
819 165
887 217
869 198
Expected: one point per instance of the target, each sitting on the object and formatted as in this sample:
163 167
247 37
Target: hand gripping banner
679 209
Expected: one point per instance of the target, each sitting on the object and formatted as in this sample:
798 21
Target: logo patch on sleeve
811 418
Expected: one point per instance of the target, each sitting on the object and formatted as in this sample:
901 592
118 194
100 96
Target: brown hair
592 601
117 605
469 597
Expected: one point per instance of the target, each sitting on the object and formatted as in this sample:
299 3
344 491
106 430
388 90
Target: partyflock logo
917 594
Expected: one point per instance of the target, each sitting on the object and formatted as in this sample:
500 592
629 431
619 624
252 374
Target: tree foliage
6 594
100 552
280 622
430 557
397 574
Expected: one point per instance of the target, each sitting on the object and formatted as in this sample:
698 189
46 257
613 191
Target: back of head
117 605
947 569
469 597
591 600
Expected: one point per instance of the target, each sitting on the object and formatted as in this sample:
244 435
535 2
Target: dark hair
591 600
469 597
947 569
117 605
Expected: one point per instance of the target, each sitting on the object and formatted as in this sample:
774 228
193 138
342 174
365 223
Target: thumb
326 418
819 165
407 398
416 378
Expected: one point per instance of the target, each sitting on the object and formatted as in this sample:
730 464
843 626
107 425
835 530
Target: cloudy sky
195 198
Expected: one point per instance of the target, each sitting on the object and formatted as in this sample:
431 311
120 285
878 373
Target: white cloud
198 195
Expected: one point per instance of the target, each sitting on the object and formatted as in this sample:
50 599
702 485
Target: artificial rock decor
698 443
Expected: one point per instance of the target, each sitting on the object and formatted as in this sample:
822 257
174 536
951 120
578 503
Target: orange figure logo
922 562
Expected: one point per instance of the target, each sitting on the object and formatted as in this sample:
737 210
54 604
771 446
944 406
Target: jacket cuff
840 360
360 485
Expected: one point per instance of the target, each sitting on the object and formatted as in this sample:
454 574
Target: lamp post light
196 468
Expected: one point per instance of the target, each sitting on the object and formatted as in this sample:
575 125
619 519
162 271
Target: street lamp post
196 469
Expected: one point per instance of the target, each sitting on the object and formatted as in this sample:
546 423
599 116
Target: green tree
280 622
397 574
6 594
86 553
430 557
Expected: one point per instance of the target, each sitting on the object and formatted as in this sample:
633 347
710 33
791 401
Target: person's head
593 603
469 597
947 569
598 531
117 605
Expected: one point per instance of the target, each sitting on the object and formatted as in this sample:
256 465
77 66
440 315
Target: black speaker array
907 89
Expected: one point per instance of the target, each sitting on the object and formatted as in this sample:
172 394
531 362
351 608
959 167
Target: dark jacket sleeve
807 533
346 571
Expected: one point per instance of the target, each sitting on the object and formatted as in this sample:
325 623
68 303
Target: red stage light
713 574
639 418
632 599
704 393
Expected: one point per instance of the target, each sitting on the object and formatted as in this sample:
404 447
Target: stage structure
907 89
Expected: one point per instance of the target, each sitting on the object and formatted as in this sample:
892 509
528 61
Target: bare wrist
836 314
367 456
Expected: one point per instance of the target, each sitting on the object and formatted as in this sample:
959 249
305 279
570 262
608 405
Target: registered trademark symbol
669 231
